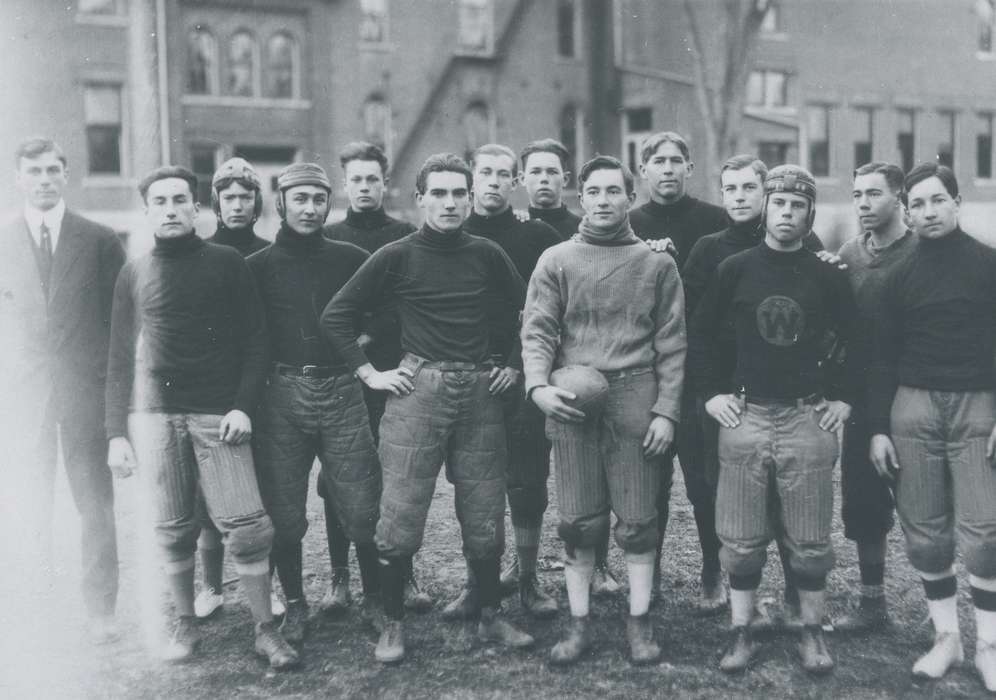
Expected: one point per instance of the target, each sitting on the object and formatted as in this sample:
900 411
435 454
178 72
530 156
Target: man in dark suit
57 275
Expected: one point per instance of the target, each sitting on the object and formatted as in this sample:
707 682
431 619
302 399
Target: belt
315 371
444 365
786 402
613 374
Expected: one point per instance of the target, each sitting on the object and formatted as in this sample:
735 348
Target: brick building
124 85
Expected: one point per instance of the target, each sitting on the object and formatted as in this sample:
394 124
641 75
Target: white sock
741 607
944 615
640 569
577 573
985 620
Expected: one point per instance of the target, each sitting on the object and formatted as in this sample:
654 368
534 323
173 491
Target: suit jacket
54 352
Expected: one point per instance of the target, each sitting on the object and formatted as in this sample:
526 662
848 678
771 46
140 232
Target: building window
767 88
280 79
906 138
638 124
818 138
202 62
377 122
373 23
476 23
863 135
773 153
102 115
772 22
241 65
478 127
946 148
104 8
984 147
203 161
568 28
985 11
572 135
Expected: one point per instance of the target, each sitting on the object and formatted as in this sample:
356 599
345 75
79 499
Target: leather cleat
337 598
603 583
985 664
713 598
464 606
509 579
870 614
415 599
493 627
534 599
575 643
274 647
640 635
102 629
946 652
739 651
813 652
295 624
207 603
184 641
391 645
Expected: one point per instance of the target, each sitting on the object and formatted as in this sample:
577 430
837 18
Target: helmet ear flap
215 203
280 204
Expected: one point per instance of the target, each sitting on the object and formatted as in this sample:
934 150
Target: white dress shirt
52 219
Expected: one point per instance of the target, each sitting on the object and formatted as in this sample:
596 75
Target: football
587 383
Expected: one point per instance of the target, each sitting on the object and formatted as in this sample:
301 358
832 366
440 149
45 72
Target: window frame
385 40
103 178
827 110
989 179
766 105
295 66
488 50
117 18
577 46
256 87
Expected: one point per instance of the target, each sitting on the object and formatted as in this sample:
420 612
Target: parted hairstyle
605 163
893 174
442 163
932 169
35 146
363 150
165 173
545 146
653 142
495 149
744 160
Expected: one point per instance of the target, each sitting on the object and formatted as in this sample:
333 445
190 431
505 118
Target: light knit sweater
608 307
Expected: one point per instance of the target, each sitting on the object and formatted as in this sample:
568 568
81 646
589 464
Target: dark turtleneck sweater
296 277
243 240
561 218
187 333
772 310
444 285
370 230
684 222
937 327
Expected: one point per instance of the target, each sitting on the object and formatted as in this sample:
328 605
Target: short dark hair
165 173
545 146
35 146
892 173
495 149
442 163
605 163
363 150
744 160
931 169
653 142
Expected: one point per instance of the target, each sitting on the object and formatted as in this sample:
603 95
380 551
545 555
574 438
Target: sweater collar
745 231
439 239
946 242
178 246
491 224
664 211
294 242
366 220
549 215
782 257
234 237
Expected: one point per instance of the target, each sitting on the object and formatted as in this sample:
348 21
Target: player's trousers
867 504
178 451
947 484
450 417
778 454
304 417
600 466
528 459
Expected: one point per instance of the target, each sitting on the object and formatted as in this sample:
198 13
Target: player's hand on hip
659 436
235 428
121 457
503 379
725 409
552 401
835 414
664 245
883 456
397 381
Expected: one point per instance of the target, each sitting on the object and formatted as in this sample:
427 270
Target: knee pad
980 559
637 537
932 556
177 538
812 564
584 533
527 504
251 538
742 560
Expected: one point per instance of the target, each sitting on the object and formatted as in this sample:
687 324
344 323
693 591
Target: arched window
477 129
241 64
280 69
377 122
202 62
572 135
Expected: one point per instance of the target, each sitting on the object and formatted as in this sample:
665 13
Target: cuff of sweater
535 380
879 426
669 408
353 356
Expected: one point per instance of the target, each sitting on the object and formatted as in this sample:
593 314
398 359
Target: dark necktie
45 255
